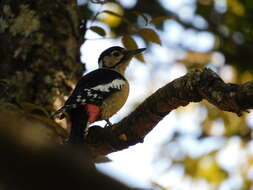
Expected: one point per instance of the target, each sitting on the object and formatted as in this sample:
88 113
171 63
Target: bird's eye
116 54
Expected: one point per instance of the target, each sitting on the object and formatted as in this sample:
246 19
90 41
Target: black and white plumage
94 88
99 94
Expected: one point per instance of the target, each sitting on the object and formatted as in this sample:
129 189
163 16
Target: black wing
94 88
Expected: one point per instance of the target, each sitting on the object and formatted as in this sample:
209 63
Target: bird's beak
134 52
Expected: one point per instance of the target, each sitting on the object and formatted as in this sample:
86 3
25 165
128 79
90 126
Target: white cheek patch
110 61
116 84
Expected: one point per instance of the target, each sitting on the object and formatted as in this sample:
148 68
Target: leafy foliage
150 35
98 30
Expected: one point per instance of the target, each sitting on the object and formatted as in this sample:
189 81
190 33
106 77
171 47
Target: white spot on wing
117 83
78 99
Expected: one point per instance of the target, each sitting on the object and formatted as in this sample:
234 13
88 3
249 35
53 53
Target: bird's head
117 58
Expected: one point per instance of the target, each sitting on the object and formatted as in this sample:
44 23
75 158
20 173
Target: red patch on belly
93 112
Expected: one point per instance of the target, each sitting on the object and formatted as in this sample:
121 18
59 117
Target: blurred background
194 147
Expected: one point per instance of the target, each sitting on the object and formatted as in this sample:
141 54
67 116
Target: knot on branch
212 88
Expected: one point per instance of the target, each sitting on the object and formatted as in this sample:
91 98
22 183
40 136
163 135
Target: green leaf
159 19
150 35
129 43
100 31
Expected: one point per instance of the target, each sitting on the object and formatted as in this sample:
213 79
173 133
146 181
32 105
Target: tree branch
195 86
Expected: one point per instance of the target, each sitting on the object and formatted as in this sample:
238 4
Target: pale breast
114 102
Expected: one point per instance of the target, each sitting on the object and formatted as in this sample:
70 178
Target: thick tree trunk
39 49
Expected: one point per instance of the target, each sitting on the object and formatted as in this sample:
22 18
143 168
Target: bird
99 94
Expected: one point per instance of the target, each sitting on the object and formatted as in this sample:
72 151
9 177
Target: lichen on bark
39 50
26 22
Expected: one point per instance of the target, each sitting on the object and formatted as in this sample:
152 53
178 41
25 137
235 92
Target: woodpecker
99 94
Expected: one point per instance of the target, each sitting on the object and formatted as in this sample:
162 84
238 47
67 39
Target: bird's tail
79 121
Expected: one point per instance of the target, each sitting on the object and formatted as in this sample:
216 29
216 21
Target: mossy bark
39 50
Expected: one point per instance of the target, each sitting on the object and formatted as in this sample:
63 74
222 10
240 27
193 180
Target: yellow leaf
129 43
159 19
140 57
209 169
150 35
113 19
98 30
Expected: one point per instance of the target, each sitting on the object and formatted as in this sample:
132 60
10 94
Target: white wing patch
117 83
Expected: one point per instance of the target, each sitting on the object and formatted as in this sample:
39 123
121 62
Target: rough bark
39 50
195 86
